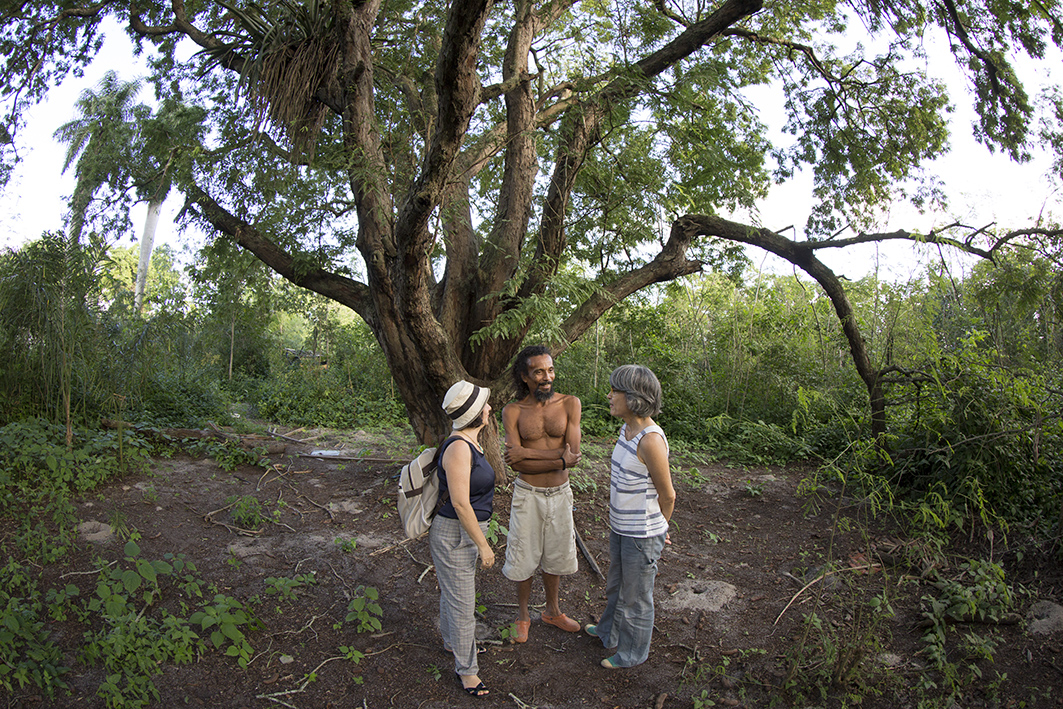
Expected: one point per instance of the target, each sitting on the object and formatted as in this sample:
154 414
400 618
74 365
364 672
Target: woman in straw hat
458 537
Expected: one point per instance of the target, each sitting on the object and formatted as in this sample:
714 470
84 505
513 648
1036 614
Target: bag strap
439 459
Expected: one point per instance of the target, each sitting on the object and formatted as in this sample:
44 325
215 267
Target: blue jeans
627 622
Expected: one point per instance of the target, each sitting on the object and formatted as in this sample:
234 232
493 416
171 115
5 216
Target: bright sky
983 187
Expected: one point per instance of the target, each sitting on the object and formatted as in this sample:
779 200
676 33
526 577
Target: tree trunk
232 342
147 243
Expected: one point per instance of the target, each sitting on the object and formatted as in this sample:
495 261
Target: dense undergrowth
142 614
754 373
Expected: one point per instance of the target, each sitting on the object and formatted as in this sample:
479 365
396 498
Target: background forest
754 365
756 372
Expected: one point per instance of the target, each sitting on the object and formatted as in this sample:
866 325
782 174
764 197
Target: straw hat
464 402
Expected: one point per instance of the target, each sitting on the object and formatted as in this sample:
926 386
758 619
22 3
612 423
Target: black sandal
479 690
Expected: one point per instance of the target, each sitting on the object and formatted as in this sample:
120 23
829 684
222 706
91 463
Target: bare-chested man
542 444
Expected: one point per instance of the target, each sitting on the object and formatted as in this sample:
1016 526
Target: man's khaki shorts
541 532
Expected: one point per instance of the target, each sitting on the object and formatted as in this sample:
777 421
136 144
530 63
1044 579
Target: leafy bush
182 400
751 443
27 654
984 436
314 397
33 454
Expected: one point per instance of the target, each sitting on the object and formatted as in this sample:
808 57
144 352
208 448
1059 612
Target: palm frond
285 60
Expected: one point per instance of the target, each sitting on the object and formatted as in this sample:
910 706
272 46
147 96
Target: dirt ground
731 597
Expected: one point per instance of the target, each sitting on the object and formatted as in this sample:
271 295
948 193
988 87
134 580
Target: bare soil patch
731 595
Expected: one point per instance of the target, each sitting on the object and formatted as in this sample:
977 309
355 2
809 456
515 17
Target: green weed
985 597
364 610
495 531
347 546
288 588
227 619
246 511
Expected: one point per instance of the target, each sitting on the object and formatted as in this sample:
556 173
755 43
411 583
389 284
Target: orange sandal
561 621
520 631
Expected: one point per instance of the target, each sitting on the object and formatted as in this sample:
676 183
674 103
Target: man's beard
544 396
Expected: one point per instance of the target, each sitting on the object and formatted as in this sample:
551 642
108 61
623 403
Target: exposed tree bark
147 243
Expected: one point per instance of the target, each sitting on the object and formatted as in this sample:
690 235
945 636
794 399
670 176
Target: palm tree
147 242
100 141
122 144
159 140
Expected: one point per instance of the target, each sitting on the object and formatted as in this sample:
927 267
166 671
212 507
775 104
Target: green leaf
131 580
145 569
232 632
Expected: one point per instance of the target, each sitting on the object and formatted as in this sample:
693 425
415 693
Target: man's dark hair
520 367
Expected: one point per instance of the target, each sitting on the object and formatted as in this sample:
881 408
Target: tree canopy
459 173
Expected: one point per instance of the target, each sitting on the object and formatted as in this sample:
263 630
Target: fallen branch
82 573
399 545
310 677
521 704
819 578
331 516
1006 619
281 436
354 457
587 555
379 652
232 528
222 434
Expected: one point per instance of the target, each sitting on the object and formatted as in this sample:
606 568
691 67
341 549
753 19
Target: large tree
493 162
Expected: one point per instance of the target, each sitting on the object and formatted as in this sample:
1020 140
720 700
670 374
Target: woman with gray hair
641 500
458 535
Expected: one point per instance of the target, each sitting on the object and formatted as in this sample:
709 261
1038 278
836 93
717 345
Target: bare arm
543 460
653 451
457 462
528 460
573 434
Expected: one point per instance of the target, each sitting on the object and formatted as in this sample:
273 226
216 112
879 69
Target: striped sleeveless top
633 507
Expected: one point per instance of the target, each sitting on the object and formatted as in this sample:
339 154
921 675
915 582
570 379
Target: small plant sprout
346 545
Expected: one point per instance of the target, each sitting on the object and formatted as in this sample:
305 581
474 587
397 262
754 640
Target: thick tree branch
959 30
90 11
808 51
663 9
519 173
343 290
936 236
802 256
581 125
181 25
457 86
669 264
